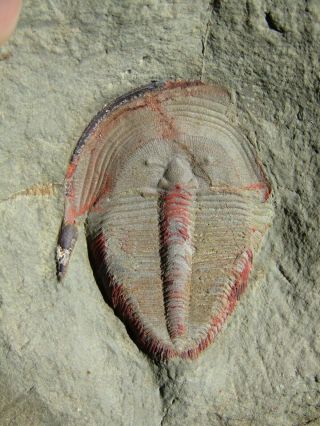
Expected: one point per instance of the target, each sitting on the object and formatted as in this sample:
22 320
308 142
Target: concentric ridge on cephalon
176 204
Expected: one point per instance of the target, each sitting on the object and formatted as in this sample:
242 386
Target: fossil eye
177 205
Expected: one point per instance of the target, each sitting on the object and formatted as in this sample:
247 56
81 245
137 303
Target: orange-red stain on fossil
177 204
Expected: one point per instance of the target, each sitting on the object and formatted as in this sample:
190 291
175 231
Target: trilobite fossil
176 202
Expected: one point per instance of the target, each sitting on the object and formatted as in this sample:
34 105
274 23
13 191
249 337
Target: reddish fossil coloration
176 203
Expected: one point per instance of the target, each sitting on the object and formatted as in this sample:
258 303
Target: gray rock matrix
65 359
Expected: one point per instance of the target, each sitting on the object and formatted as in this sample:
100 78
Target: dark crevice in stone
273 24
216 6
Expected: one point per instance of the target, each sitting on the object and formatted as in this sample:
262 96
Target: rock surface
65 359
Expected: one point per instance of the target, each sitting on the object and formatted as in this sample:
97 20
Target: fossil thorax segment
177 207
